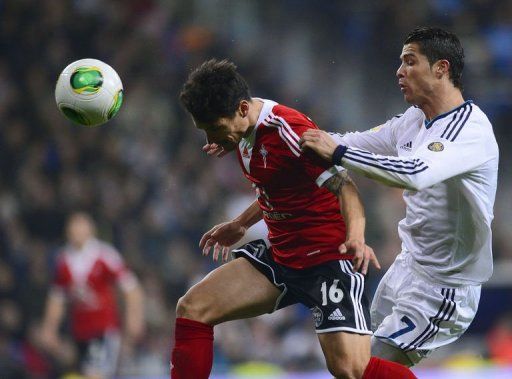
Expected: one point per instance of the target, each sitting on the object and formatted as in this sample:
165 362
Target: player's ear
442 67
243 108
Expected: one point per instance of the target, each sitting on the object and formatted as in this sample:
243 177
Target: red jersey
304 219
88 277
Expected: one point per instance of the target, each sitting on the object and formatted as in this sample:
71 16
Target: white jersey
449 169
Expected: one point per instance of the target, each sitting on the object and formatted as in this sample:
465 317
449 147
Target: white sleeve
380 140
434 161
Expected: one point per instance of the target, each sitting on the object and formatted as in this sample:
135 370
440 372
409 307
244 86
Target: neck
256 105
442 102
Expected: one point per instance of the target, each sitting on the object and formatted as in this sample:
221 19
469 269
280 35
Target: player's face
225 132
417 80
79 230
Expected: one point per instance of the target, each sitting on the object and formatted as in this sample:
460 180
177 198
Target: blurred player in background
443 152
87 272
314 257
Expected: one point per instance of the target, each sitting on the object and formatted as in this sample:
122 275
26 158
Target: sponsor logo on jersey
277 216
407 146
336 315
318 316
245 152
436 146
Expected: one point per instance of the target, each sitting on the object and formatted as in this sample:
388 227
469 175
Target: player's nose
400 72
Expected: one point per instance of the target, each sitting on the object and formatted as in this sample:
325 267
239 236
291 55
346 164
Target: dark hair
214 90
436 44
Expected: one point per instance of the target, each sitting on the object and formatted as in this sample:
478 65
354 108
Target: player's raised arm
353 211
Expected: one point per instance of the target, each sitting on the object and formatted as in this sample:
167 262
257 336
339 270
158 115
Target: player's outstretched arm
353 211
222 236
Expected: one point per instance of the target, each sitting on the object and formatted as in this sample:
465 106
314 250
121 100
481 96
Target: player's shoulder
467 121
61 256
106 249
413 113
478 116
286 115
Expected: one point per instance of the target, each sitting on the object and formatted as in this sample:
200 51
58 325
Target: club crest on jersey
318 316
245 152
436 146
264 154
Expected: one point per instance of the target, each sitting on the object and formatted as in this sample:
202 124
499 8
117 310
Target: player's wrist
239 224
338 154
355 238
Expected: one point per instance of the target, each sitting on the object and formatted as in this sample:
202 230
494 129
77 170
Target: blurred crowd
143 176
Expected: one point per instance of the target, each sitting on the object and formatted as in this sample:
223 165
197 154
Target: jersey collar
428 123
268 105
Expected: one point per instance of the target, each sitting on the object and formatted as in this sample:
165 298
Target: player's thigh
346 354
233 291
425 316
384 298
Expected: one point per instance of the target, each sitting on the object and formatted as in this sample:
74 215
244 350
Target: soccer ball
89 92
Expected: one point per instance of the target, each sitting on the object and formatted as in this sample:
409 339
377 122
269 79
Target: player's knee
188 307
391 353
192 307
347 368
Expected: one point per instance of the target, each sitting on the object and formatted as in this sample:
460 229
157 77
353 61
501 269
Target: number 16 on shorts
334 293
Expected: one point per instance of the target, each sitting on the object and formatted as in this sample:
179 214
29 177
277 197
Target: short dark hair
214 90
435 44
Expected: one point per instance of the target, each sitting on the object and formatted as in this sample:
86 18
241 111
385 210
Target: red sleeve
62 276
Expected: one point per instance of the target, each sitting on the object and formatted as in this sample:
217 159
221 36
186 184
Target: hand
320 142
49 340
221 237
363 254
215 150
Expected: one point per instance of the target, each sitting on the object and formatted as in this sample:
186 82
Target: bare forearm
250 216
54 312
352 208
353 211
134 311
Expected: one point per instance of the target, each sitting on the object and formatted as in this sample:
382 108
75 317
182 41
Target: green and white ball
89 92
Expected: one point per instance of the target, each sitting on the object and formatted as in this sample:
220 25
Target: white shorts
416 315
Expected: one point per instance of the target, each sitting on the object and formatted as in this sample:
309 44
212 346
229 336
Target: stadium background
153 192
